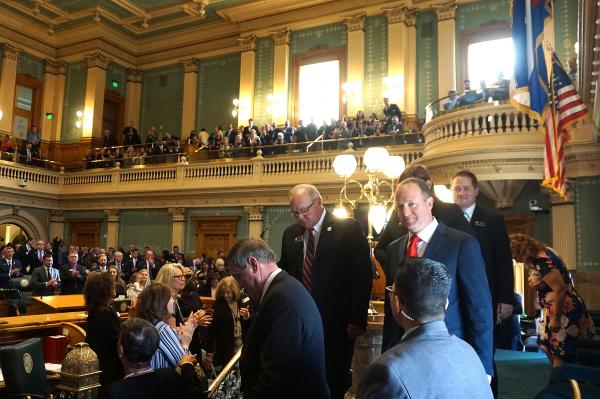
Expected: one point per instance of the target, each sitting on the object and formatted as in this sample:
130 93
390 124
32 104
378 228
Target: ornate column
564 235
446 48
57 224
281 67
52 99
255 220
8 80
356 62
133 96
178 218
190 86
94 96
247 74
112 231
410 64
396 49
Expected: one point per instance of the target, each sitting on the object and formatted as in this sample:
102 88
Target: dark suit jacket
429 363
35 261
5 271
449 214
159 384
491 233
38 281
102 333
469 313
341 274
70 284
284 352
129 266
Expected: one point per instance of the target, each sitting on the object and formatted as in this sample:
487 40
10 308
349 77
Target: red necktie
309 257
412 246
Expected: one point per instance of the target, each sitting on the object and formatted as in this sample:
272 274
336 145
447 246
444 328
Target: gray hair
309 188
250 247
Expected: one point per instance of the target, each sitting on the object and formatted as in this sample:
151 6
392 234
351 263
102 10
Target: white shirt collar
269 281
469 212
426 233
319 224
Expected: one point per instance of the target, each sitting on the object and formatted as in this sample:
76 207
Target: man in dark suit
24 254
9 267
45 279
150 264
72 275
430 362
133 263
120 265
469 313
330 256
449 214
490 231
37 254
283 356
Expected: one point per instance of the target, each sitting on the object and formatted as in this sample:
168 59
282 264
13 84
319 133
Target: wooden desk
56 304
19 328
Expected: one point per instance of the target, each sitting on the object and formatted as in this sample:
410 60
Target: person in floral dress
565 316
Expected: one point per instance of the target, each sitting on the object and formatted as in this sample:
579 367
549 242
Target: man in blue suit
429 362
469 313
9 267
284 352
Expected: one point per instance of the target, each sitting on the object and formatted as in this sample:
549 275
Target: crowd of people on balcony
26 151
499 91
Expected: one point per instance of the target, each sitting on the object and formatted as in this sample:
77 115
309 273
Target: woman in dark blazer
103 325
230 323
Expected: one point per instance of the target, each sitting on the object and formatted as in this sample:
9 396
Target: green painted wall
162 100
334 35
96 214
31 65
119 74
587 223
218 86
476 15
275 220
565 29
376 63
427 60
263 82
145 227
74 101
189 248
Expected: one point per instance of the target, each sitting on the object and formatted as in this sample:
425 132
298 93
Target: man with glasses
331 258
430 362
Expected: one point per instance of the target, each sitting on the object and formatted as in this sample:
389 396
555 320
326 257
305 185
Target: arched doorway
27 222
13 233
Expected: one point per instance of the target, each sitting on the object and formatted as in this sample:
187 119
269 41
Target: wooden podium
56 304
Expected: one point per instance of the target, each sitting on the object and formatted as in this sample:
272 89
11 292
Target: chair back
23 369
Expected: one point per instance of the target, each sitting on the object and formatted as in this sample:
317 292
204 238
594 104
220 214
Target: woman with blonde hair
566 318
137 283
230 322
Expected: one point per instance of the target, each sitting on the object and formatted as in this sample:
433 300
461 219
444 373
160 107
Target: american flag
564 107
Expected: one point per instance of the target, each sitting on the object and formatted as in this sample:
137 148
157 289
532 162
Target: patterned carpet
521 374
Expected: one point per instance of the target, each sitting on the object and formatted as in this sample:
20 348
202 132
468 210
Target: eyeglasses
390 290
180 276
303 211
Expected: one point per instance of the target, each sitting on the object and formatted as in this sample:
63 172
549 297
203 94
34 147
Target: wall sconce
79 120
352 92
236 107
394 88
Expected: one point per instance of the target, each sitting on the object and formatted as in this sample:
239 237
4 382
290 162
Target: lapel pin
329 228
299 239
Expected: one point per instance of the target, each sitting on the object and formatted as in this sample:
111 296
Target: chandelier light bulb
344 165
443 193
375 159
340 212
394 167
377 217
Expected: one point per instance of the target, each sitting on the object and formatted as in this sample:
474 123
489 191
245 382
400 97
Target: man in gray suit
429 362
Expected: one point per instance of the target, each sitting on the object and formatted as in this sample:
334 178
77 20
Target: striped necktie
309 258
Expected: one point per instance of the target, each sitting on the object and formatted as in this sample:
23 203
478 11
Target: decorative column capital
178 214
191 65
410 17
58 67
134 75
395 15
255 212
557 200
97 60
355 22
247 43
446 11
57 216
10 52
112 215
281 36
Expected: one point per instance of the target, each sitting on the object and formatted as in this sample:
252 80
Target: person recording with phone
231 320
